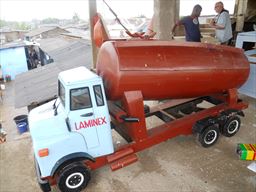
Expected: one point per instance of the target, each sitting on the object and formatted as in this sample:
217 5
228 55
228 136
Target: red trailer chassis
180 117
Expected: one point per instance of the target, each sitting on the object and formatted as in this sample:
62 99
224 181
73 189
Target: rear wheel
231 127
73 177
209 136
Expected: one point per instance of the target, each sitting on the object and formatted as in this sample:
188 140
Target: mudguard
71 158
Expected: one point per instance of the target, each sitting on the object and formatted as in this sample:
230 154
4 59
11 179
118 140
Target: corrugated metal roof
36 85
40 84
84 34
7 30
59 44
39 31
12 45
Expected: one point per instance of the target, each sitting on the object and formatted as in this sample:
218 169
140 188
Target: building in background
13 59
17 57
44 32
7 35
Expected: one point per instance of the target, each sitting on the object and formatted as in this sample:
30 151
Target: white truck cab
74 126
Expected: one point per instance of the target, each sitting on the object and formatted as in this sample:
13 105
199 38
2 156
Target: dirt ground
177 165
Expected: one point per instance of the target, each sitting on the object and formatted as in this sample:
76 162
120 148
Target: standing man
191 25
222 24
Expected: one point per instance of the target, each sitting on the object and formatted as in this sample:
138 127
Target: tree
76 18
23 26
14 25
3 23
50 21
142 16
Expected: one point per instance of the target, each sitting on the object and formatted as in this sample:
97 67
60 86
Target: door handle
86 115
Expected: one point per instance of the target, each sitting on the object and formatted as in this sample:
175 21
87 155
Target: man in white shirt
222 24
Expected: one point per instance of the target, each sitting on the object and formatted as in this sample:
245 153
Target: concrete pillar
166 13
236 8
92 13
241 11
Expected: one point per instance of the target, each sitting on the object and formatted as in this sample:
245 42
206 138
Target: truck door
81 115
102 120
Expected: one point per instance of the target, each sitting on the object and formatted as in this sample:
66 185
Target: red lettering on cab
91 123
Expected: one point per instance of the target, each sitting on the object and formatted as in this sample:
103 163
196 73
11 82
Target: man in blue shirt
191 25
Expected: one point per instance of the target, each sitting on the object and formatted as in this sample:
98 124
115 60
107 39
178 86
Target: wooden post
92 13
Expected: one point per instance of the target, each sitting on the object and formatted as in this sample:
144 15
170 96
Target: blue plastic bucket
22 127
21 119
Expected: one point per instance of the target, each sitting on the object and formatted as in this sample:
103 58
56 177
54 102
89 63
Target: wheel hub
75 180
232 127
210 137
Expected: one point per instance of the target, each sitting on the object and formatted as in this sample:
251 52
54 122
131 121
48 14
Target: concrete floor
177 165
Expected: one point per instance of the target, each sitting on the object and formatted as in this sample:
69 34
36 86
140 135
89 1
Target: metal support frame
169 129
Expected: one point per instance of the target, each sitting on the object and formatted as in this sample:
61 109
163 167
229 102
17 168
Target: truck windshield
80 98
61 93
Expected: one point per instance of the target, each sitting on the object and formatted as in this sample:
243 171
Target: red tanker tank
167 69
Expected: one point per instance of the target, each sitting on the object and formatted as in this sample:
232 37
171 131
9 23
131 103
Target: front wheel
73 178
231 127
209 136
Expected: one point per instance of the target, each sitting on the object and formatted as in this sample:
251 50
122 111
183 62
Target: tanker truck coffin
167 69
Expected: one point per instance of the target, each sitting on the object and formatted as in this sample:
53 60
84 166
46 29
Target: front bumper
44 184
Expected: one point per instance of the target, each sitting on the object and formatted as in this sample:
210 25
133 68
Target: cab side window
80 98
98 95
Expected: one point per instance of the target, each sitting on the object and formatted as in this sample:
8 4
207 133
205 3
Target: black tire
187 111
73 178
146 109
231 127
188 108
209 136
